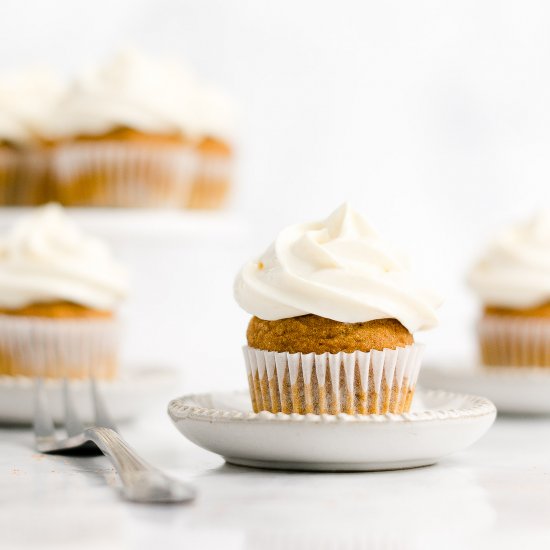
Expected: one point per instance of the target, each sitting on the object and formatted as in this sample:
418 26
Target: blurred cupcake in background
122 135
512 279
334 311
26 101
59 292
12 136
214 130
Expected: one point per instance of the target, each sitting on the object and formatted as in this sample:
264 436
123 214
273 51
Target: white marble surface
495 495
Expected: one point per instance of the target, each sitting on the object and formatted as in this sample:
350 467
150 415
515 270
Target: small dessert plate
126 397
514 390
440 424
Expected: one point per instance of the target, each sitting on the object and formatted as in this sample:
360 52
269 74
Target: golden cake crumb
542 310
311 333
130 135
57 310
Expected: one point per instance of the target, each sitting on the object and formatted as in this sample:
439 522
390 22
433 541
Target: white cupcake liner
212 183
213 167
34 188
514 341
374 382
34 346
127 174
10 170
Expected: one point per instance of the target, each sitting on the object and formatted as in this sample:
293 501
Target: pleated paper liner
123 174
374 382
514 341
212 183
10 175
32 346
35 184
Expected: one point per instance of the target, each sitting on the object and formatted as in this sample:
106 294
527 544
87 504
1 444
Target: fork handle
141 482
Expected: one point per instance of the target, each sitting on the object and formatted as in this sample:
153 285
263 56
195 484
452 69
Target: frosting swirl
26 99
45 258
337 268
514 272
140 92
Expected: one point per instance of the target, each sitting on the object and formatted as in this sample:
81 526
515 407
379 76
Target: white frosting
45 258
26 101
12 128
139 92
339 269
515 269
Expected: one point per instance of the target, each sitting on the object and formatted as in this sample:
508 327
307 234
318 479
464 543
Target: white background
432 118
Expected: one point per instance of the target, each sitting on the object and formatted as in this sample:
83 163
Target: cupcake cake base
123 169
57 340
374 382
514 341
213 177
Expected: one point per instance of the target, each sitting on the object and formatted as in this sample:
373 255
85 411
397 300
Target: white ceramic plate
514 390
440 424
132 393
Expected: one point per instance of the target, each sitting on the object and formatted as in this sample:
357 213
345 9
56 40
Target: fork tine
43 426
102 416
73 425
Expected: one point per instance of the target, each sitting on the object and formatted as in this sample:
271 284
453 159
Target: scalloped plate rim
480 406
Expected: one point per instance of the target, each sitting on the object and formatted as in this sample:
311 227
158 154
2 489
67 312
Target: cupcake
10 155
334 311
214 123
25 101
121 135
512 279
59 291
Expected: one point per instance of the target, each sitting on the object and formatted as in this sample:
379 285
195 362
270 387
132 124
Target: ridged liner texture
374 382
35 186
123 174
507 341
212 183
10 175
51 348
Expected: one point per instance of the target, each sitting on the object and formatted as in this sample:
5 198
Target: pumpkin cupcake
512 280
59 291
334 310
214 147
26 99
121 135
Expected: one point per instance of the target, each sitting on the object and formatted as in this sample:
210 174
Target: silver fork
140 481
